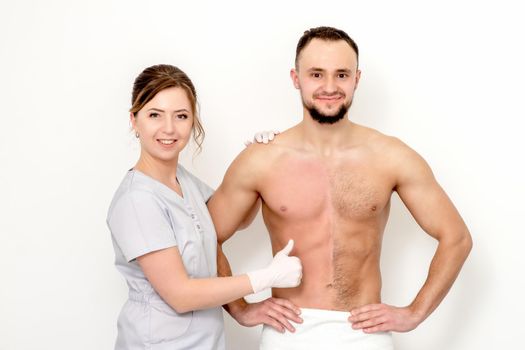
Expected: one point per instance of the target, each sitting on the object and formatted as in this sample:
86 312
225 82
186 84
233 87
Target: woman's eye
154 115
182 116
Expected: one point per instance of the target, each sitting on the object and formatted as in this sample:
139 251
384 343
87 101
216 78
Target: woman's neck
162 171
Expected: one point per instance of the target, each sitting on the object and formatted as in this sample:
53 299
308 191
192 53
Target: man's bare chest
305 188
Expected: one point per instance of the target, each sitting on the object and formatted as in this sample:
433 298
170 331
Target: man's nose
330 85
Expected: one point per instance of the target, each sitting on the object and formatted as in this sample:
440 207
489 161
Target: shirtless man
329 189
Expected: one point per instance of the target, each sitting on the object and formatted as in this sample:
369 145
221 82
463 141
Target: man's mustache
331 94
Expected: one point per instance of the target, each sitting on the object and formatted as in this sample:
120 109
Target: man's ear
357 77
295 78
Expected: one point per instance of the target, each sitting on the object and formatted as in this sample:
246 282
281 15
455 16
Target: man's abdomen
340 267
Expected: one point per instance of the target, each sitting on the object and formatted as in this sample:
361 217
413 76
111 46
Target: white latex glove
262 137
283 272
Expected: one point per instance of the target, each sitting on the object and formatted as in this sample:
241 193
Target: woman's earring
136 134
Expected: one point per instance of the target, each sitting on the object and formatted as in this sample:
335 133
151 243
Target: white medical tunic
145 216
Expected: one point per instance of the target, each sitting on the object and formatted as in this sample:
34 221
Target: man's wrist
236 307
418 313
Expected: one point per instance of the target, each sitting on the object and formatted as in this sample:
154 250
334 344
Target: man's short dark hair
324 33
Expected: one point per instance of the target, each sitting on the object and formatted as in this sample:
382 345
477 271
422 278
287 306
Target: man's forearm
444 269
224 270
274 312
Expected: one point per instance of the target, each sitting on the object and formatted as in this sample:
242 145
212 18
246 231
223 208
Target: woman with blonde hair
164 240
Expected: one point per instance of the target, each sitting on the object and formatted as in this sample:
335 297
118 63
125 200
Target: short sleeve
140 225
205 190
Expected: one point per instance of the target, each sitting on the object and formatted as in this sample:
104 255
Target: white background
446 77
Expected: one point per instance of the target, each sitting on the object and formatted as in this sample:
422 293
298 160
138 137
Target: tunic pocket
166 324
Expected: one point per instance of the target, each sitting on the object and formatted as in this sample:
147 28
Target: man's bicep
233 200
425 199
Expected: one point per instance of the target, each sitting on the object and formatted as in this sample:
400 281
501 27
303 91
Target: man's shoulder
283 143
392 152
259 158
379 141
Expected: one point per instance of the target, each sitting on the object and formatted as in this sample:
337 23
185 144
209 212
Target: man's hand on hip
274 312
383 318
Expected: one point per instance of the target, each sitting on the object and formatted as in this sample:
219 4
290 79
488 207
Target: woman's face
164 124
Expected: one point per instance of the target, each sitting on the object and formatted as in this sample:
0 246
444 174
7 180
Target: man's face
327 77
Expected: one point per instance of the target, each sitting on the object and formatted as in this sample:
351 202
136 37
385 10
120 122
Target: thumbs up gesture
283 272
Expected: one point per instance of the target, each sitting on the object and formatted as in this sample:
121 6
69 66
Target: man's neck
325 139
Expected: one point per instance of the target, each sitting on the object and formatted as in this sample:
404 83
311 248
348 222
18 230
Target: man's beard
327 119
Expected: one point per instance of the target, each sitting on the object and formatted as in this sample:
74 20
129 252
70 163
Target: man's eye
343 75
316 75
